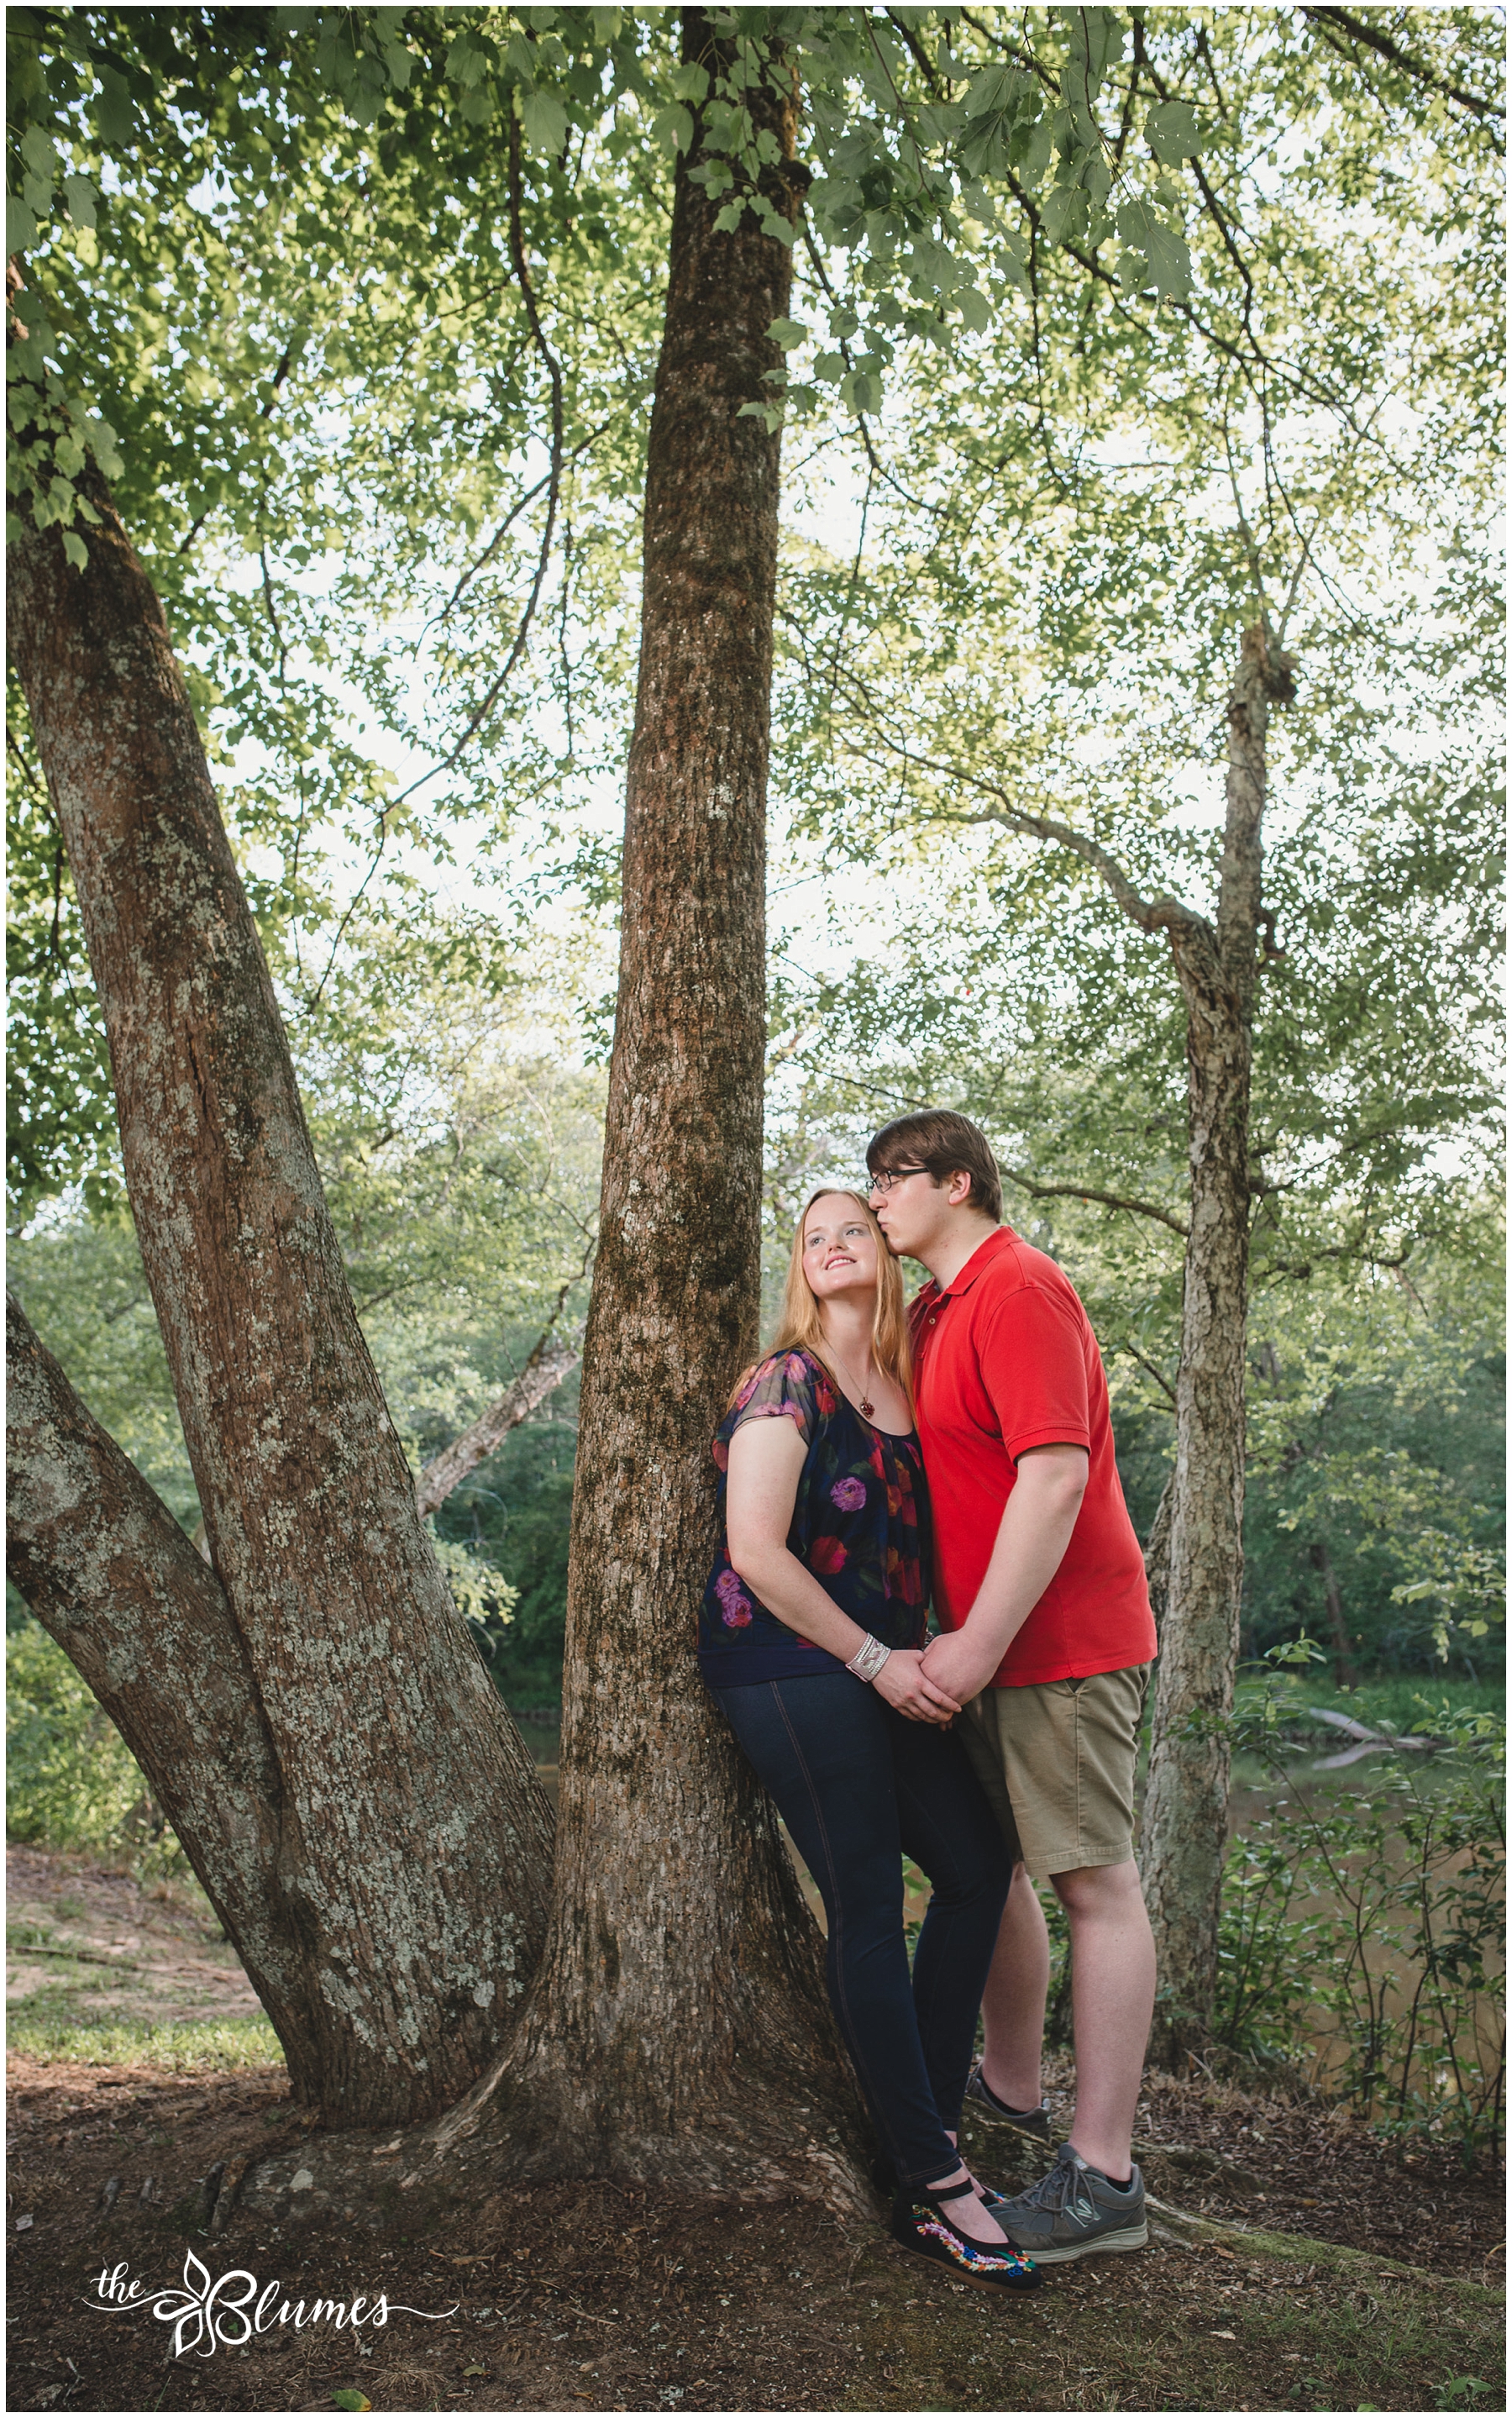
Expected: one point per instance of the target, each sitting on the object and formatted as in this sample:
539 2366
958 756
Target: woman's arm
766 1463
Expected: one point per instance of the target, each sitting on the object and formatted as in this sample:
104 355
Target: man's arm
1033 1537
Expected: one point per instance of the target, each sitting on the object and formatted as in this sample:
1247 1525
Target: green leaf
1172 132
691 82
477 107
986 92
465 61
81 197
1064 213
975 309
113 113
862 390
39 153
672 128
543 115
788 333
103 444
398 62
21 224
76 550
1170 262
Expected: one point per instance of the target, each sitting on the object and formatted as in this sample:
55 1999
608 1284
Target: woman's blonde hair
799 1325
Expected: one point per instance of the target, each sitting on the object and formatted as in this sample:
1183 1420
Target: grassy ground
105 1970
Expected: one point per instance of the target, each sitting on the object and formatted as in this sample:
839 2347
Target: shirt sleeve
787 1385
1032 1358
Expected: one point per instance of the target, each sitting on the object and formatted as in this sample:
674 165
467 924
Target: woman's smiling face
839 1248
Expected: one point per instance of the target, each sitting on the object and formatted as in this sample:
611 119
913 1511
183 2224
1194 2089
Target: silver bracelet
868 1658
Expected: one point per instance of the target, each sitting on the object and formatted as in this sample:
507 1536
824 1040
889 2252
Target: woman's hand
901 1683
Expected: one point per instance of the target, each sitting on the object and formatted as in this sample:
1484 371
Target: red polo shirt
1004 1358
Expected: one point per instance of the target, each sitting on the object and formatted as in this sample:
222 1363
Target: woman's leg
822 1748
947 1826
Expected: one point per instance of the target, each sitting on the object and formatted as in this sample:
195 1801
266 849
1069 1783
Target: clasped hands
934 1684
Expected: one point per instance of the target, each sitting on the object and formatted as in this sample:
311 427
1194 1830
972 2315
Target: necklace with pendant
863 1405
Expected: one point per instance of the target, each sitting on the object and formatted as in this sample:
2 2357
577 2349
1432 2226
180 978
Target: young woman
811 1636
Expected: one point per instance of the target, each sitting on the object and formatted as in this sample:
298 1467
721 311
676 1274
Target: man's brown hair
947 1143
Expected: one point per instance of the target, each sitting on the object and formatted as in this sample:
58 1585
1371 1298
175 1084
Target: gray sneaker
1035 2122
1073 2211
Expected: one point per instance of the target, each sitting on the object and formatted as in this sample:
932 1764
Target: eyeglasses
884 1182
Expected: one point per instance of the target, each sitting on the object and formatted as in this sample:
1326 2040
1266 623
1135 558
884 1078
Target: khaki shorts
1057 1763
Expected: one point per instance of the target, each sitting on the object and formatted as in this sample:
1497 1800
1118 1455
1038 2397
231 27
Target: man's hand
955 1662
902 1684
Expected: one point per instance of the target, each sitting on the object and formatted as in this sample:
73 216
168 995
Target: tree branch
1150 914
551 1358
1357 31
1151 1369
548 1364
1104 1199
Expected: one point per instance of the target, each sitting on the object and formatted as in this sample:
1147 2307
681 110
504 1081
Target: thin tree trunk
1158 1553
678 2029
1345 1675
110 1573
413 1843
548 1364
1186 1798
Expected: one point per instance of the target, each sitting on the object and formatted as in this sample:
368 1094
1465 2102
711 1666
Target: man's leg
1112 1999
1013 2004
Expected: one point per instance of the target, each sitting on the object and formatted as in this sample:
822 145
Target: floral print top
861 1524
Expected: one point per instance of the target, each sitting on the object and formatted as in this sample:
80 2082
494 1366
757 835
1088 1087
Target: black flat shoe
885 2176
921 2224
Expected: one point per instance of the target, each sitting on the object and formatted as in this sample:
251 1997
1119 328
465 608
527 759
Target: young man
1047 1638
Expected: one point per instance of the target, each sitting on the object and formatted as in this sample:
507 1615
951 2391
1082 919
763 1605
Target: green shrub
70 1779
1368 1924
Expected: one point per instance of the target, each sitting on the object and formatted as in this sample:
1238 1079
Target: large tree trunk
1186 1799
412 1843
677 2029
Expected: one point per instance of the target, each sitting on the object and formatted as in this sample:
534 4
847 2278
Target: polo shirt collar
981 1259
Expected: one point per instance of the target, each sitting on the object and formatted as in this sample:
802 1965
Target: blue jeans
859 1788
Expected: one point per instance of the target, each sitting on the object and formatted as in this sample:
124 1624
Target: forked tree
392 1845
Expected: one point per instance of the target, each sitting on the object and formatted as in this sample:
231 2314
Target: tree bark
677 2028
412 1845
1186 1799
1345 1675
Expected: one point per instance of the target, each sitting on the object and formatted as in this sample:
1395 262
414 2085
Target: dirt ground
1306 2272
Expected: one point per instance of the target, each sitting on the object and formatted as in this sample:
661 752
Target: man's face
908 1205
